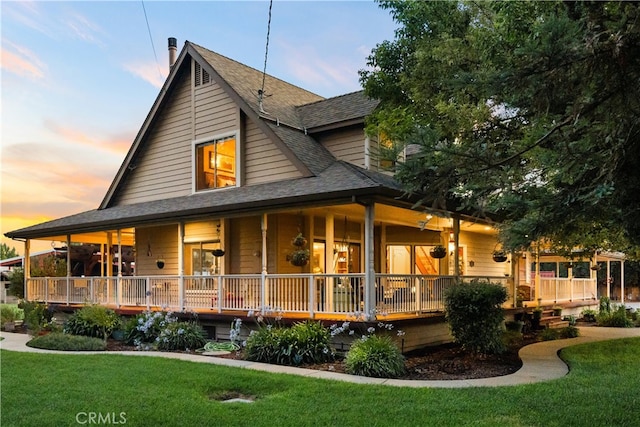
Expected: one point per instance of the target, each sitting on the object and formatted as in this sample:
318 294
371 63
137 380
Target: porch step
558 324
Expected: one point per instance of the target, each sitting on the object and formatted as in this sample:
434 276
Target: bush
375 356
16 283
93 321
549 334
162 331
36 315
305 342
512 339
514 325
181 336
143 329
475 315
616 318
569 332
589 315
10 313
67 342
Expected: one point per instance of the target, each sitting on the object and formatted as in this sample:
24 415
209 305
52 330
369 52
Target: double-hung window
215 163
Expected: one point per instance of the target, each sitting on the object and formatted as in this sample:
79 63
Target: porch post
456 245
263 278
527 268
370 275
109 271
27 268
536 287
68 266
622 281
181 265
119 279
328 256
608 278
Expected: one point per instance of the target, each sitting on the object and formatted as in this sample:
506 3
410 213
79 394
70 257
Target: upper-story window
215 162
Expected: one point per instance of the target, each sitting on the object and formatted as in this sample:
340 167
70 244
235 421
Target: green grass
602 388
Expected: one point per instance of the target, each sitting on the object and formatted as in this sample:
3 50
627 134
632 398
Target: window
216 164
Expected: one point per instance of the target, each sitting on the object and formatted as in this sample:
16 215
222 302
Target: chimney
173 49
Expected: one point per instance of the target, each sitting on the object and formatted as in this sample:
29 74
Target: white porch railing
567 289
342 294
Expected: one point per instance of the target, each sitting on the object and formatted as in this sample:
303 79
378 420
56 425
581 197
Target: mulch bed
440 362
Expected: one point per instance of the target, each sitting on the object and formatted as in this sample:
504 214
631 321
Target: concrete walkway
540 361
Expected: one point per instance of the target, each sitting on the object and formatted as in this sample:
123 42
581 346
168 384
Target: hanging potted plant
438 252
217 253
595 267
499 256
160 263
299 258
299 241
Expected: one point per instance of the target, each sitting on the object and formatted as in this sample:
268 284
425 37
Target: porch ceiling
98 237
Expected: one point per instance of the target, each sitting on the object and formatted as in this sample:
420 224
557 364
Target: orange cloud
116 144
21 61
149 72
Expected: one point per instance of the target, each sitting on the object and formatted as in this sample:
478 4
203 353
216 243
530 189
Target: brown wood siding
245 244
215 112
347 145
264 162
163 241
163 167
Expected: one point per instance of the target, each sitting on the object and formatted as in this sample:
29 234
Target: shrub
375 356
512 339
605 305
143 329
569 332
549 334
616 318
514 325
36 315
181 336
93 321
305 342
10 313
67 342
475 315
589 315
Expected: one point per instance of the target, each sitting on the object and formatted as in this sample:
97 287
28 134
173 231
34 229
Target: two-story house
228 169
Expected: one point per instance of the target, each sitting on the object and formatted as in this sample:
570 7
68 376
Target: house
238 195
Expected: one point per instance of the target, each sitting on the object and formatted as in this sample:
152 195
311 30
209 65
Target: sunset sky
78 79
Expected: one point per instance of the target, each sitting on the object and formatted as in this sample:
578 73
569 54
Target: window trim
212 140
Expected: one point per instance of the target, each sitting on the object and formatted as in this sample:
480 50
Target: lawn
603 388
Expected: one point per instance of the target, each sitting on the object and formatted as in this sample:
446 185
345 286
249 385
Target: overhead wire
151 39
261 93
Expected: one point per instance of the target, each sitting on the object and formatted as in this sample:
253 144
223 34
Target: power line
151 39
266 54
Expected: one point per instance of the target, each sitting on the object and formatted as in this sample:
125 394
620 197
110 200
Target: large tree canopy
529 111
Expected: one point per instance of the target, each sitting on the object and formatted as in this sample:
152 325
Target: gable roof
286 116
339 183
339 111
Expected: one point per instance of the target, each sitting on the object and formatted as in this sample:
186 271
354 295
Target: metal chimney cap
173 42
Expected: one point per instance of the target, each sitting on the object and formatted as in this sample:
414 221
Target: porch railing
311 294
567 289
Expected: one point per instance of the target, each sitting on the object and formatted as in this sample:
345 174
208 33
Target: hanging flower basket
499 256
217 253
595 267
160 263
299 258
299 241
438 252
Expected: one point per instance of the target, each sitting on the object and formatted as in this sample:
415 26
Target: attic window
202 77
215 162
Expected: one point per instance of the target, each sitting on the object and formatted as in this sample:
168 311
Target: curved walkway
540 361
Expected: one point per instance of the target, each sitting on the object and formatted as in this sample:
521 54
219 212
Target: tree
16 283
7 252
527 112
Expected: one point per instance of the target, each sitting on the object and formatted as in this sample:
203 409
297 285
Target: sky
78 79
